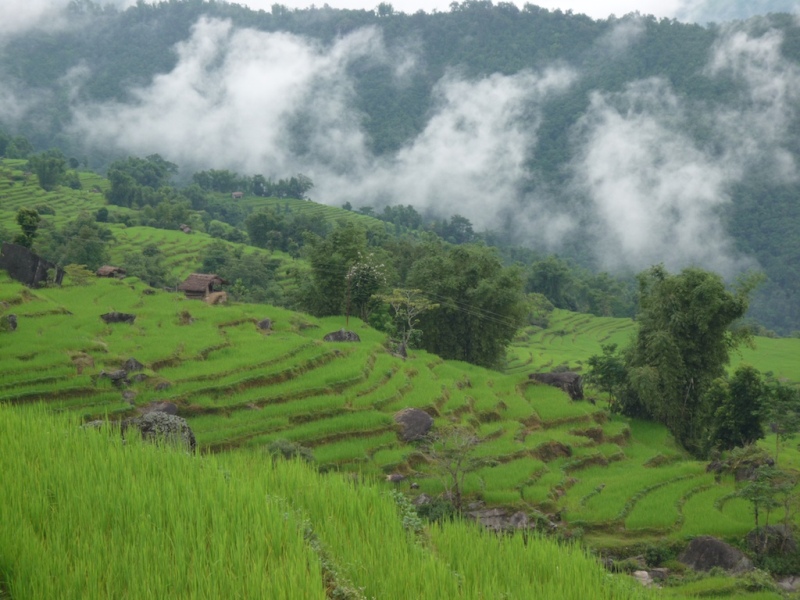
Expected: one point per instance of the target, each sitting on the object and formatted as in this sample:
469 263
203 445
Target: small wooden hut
110 271
199 285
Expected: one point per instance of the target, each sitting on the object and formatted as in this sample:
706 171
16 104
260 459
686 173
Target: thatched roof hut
200 285
110 271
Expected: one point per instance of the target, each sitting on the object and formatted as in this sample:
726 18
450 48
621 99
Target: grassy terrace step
244 388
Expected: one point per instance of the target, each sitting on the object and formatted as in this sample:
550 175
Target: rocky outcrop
118 317
8 323
163 428
706 552
132 365
118 377
342 336
265 324
414 424
569 382
772 539
499 519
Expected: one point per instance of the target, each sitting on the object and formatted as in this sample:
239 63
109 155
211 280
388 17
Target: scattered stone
118 317
8 323
643 577
790 584
414 424
342 336
706 552
132 365
163 385
129 396
422 500
148 291
395 478
118 377
265 324
569 382
414 486
163 427
139 377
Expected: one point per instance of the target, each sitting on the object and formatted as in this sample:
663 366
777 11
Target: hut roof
107 270
199 282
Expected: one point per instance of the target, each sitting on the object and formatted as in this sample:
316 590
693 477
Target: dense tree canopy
682 345
481 304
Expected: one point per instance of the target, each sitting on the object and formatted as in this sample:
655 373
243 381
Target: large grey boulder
414 424
160 426
570 382
706 552
342 336
118 317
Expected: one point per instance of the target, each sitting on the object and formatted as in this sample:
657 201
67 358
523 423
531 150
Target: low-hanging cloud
757 126
653 191
231 99
275 103
656 192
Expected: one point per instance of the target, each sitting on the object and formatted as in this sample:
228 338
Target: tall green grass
85 515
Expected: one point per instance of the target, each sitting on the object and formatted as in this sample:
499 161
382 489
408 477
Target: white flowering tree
365 278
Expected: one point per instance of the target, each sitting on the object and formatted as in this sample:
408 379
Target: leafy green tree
607 372
451 452
28 220
331 259
81 241
220 181
265 229
737 403
553 278
782 413
49 167
147 265
682 345
766 490
407 305
481 305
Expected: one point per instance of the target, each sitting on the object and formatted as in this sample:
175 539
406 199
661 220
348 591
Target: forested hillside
619 143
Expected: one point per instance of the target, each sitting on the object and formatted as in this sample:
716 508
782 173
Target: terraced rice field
572 338
311 209
569 341
243 388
